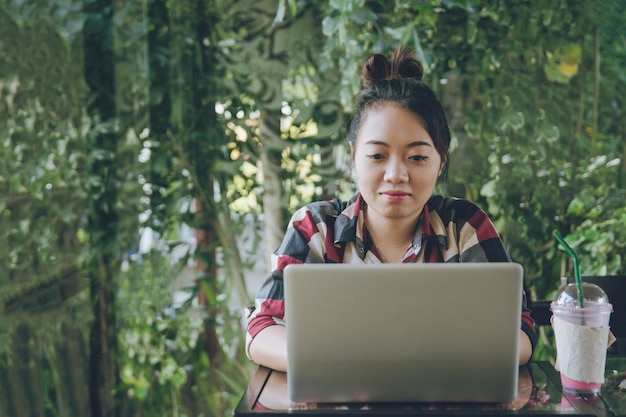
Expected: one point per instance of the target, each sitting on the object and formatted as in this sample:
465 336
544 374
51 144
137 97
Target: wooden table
539 394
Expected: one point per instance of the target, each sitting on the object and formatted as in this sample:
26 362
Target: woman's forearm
269 348
525 348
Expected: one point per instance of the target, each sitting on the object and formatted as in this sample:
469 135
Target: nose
396 171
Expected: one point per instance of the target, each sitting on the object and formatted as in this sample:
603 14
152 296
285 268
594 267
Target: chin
395 214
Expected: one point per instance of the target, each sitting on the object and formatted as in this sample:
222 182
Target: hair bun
403 65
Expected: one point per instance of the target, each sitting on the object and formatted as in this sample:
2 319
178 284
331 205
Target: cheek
360 172
358 162
364 172
434 175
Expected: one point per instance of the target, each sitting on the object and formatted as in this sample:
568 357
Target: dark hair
399 81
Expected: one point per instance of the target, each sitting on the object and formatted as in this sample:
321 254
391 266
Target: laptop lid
403 332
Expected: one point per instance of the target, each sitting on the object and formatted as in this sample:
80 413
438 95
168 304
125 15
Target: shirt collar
346 222
350 227
433 229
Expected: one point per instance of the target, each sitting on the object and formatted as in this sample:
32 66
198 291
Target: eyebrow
410 145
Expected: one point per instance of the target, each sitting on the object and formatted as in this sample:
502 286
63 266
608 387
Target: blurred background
153 150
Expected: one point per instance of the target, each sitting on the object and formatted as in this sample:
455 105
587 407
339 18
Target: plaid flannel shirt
450 230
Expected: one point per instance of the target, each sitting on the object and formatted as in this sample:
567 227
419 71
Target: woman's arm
303 242
525 348
479 241
269 348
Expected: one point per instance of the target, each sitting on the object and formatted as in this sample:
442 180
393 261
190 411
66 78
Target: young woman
399 140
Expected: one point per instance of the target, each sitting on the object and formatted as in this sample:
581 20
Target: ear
351 151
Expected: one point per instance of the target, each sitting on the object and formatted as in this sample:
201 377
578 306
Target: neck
391 236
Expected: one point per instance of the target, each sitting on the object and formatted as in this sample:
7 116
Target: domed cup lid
593 295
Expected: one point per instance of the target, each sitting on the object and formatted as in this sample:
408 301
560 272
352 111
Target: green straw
570 252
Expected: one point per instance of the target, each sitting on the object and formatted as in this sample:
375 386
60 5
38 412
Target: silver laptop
403 332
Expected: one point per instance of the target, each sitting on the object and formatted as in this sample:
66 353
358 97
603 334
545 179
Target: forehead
392 124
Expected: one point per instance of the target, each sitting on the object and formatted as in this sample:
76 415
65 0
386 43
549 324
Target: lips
395 194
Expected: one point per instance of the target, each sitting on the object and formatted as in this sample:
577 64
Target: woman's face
396 163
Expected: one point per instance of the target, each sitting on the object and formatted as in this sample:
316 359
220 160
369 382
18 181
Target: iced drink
581 335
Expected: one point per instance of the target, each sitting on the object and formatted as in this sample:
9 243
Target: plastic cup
581 335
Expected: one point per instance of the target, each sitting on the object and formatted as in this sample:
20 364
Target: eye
418 158
375 156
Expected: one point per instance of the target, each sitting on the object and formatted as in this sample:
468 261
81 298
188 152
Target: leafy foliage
539 142
164 368
43 127
42 151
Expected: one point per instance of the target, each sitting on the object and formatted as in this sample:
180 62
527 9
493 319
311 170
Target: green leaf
551 134
329 25
338 4
363 16
102 155
489 189
554 74
514 120
293 7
